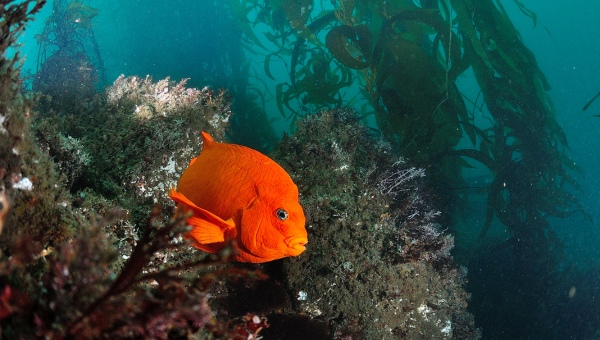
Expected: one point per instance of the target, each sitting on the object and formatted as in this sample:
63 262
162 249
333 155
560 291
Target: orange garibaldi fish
238 193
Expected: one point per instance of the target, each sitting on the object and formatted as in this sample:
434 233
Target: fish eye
282 214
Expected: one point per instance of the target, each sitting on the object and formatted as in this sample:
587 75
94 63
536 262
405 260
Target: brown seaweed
587 105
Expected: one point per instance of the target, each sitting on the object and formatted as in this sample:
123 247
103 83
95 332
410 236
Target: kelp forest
402 62
399 117
69 63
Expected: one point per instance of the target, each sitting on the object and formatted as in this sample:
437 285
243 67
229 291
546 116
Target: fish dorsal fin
207 139
207 227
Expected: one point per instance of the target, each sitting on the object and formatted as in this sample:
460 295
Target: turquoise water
202 40
568 58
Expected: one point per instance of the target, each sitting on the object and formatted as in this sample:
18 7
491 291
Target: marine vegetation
86 251
409 57
69 63
73 263
378 264
135 140
590 102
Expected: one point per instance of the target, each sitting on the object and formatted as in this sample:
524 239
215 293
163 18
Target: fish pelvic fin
206 226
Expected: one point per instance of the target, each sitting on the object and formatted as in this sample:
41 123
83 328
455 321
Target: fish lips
295 244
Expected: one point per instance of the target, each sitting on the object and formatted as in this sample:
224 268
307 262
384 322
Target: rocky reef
89 247
377 266
84 250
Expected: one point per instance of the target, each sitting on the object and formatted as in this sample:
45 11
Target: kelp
587 105
517 101
240 12
360 44
82 14
69 63
408 57
314 27
298 12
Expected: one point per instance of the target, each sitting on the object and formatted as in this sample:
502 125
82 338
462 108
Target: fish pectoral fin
205 231
209 248
207 227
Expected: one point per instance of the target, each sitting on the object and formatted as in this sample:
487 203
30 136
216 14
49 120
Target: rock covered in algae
375 249
127 146
171 116
78 265
31 202
377 266
137 139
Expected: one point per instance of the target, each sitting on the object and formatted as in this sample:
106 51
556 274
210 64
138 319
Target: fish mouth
296 245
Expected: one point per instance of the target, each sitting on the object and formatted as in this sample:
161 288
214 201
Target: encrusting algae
125 272
238 193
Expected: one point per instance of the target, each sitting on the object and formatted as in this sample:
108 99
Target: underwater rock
110 157
171 117
72 264
132 143
377 265
31 201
